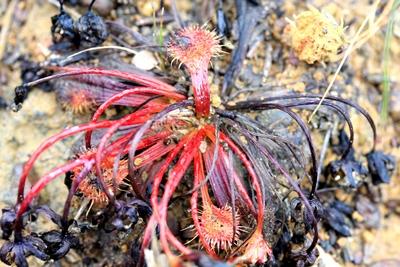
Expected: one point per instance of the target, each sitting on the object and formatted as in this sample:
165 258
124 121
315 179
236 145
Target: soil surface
25 32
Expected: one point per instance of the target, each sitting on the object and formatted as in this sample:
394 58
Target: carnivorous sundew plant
233 164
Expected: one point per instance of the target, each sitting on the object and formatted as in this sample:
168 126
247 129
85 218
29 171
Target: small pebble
145 60
369 212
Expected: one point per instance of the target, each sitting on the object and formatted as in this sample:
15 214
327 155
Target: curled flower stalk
229 159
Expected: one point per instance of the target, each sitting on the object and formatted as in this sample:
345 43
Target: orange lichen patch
79 101
256 250
194 46
219 227
90 186
315 36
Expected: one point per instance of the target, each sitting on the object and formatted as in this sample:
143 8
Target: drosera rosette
85 164
234 160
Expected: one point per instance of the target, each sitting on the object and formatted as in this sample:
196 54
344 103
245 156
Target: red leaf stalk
194 47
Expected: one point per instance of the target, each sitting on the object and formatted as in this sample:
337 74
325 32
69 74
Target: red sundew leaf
156 184
139 117
137 77
44 180
199 176
218 228
49 142
194 47
174 178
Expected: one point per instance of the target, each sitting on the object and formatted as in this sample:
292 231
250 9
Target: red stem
156 184
201 91
100 155
146 111
153 153
75 184
49 142
42 183
174 177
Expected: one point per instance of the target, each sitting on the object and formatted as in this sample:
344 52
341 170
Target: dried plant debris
223 25
315 36
88 31
350 172
21 93
249 14
63 29
338 217
381 166
346 171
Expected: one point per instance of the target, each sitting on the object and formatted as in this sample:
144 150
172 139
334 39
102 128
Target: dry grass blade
5 26
386 60
375 25
346 55
126 49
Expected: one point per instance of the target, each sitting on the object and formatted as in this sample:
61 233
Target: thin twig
116 47
376 25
